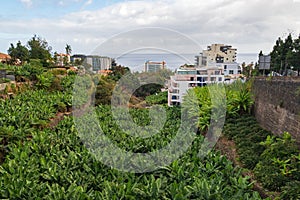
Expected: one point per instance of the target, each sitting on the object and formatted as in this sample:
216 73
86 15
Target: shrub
291 190
44 81
278 162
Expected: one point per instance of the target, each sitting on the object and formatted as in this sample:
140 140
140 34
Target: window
225 66
217 73
176 85
239 71
220 79
213 79
231 72
192 78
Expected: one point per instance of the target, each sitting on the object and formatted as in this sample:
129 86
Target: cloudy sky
248 25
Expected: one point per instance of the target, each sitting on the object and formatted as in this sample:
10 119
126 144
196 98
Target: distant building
220 56
4 58
220 53
78 57
98 63
189 77
201 60
154 66
62 59
228 69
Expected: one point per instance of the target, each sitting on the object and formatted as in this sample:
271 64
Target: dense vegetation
274 160
286 55
55 165
54 162
158 98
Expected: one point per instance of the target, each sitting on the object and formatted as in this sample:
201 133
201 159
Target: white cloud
248 25
28 3
87 3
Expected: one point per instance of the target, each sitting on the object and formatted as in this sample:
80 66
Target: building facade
4 58
98 63
187 78
220 53
151 66
62 59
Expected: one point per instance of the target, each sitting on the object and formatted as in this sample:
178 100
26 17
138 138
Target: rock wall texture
277 104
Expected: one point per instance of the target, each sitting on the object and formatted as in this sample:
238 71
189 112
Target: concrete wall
277 104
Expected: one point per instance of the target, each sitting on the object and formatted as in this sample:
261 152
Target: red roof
4 56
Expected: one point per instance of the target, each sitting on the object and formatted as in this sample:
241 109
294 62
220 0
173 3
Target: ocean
136 61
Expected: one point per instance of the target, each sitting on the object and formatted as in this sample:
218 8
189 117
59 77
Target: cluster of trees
151 84
286 55
36 48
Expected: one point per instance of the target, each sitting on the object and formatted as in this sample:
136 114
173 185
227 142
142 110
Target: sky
185 26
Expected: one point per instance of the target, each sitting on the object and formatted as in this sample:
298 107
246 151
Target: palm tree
68 49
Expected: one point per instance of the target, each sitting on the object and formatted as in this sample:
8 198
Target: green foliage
278 165
239 98
285 54
146 90
118 72
29 71
42 163
4 80
104 91
39 49
68 49
248 70
247 135
31 109
275 161
44 80
55 165
238 101
160 98
19 52
291 190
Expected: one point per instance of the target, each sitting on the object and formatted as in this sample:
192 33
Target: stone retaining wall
277 104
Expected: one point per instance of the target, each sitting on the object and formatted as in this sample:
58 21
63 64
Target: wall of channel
277 104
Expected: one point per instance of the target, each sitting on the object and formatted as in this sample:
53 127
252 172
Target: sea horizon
135 61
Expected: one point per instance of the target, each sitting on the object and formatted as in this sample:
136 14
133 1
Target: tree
68 49
296 60
247 69
55 57
286 54
19 52
39 49
276 55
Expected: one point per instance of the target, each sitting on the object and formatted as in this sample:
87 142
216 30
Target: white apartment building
189 77
228 69
217 64
220 56
98 63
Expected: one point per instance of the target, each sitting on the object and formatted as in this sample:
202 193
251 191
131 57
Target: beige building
151 66
220 53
